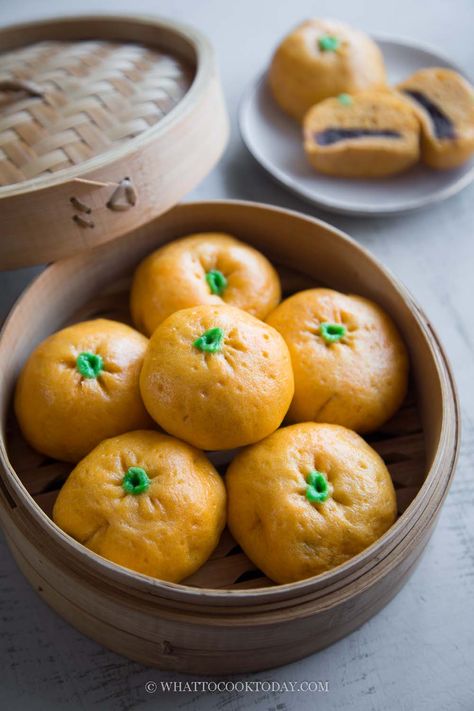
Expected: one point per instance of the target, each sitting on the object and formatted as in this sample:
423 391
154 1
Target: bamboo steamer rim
204 55
432 487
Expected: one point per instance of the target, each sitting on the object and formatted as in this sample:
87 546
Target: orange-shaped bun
349 361
308 498
323 58
145 501
217 377
209 268
80 386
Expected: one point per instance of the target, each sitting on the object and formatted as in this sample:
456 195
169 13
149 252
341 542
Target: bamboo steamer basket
105 123
227 617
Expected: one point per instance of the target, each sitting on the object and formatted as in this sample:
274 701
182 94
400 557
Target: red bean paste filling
333 135
442 125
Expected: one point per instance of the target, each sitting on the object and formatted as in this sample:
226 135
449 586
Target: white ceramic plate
274 140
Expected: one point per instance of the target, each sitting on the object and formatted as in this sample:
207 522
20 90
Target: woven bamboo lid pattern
65 102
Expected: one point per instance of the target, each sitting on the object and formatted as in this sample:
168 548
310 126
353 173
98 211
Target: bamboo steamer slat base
227 617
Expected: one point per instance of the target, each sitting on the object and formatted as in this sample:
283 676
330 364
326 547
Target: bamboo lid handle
123 197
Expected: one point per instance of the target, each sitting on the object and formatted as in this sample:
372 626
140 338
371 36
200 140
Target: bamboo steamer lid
105 123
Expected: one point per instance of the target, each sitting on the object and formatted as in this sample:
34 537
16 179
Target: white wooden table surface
417 653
